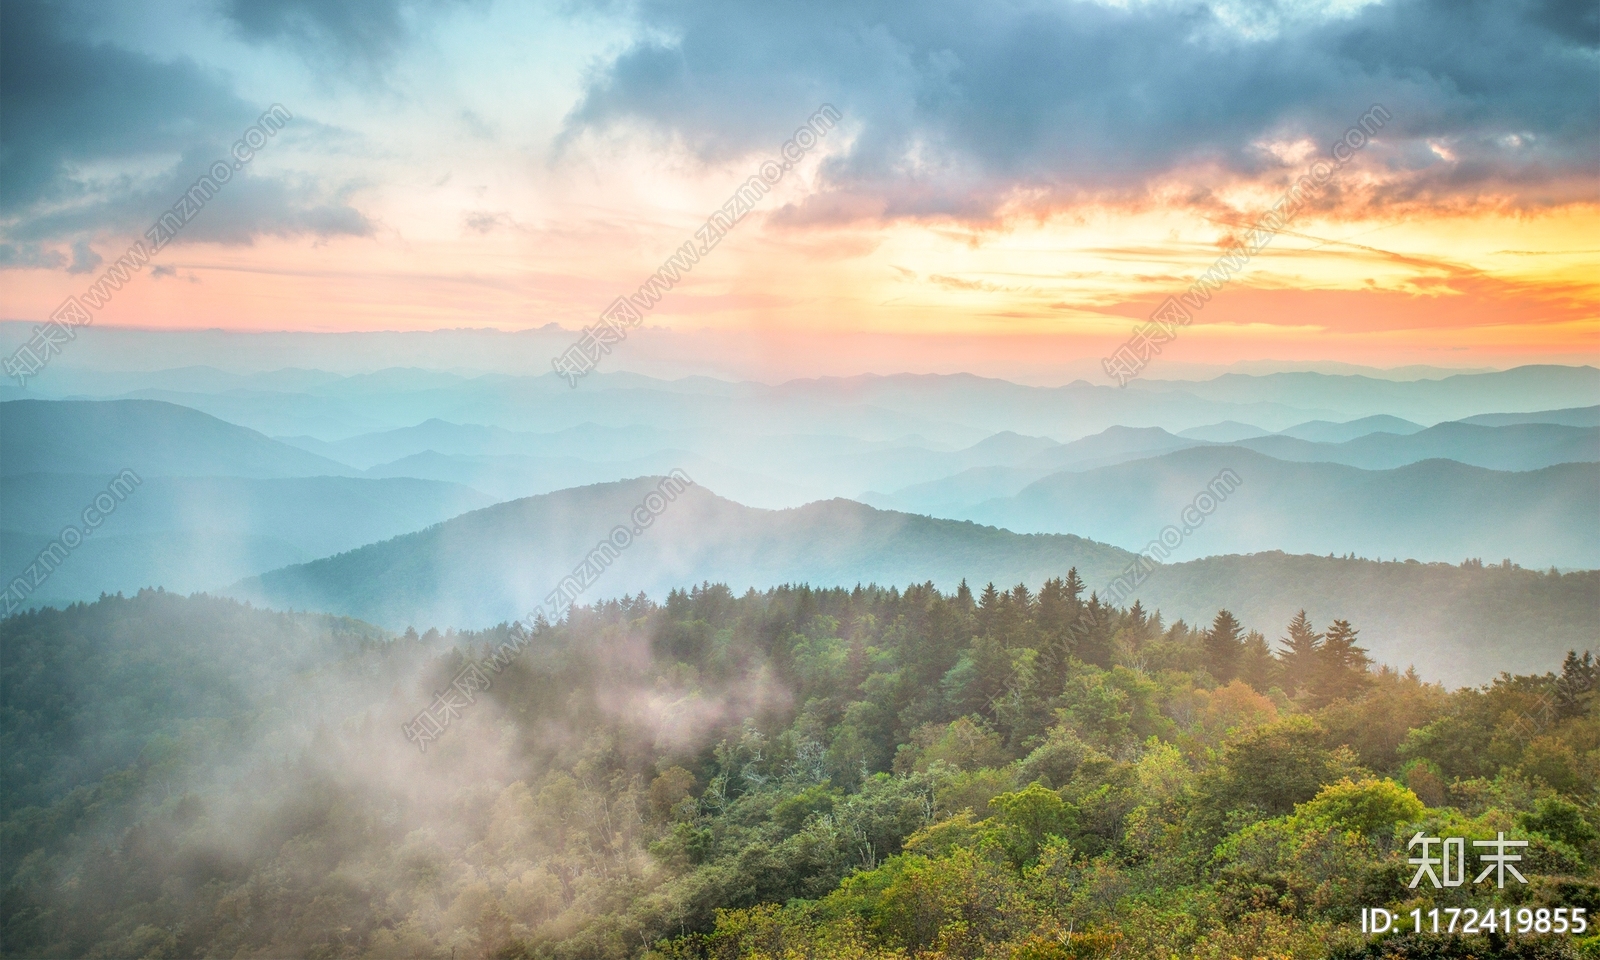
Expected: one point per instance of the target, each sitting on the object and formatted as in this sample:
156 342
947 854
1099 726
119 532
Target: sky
1008 185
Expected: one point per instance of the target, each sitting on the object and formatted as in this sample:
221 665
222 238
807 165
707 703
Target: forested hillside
1437 510
796 773
1456 622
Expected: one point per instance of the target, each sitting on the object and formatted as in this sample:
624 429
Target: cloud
363 36
98 139
84 259
485 221
957 110
30 255
67 103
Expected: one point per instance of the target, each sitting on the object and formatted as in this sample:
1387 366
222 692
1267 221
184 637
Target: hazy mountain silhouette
1570 417
198 533
1326 431
1520 447
149 437
1112 445
511 476
1432 510
1227 431
1456 625
1526 446
1532 387
502 561
950 409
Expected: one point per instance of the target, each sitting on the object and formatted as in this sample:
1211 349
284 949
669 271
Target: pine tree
1074 585
1054 611
1301 655
1577 681
1344 665
988 606
1012 616
964 597
1223 643
1137 621
1092 637
1256 665
1056 614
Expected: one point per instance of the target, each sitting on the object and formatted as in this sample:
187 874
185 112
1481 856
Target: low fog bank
197 777
194 774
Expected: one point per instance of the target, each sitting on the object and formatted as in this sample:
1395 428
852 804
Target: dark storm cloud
64 102
956 105
67 106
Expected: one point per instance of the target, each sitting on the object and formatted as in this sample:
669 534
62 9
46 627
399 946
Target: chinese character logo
1451 860
1500 861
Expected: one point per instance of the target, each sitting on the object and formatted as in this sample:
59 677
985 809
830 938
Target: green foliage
1030 817
1271 769
802 773
1372 808
1564 821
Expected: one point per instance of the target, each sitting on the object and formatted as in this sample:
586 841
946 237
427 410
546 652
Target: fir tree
1576 683
1344 665
988 606
1092 638
1300 655
1256 666
1137 621
1223 643
1056 614
1074 585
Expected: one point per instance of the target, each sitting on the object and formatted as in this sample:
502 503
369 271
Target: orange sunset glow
1460 248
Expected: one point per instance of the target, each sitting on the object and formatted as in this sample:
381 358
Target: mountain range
431 497
221 502
198 533
1430 510
500 563
148 437
951 409
967 495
